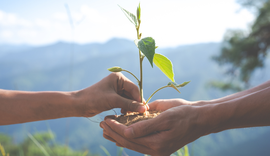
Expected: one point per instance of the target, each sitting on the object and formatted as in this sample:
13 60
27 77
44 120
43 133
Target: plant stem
155 93
141 78
131 74
141 60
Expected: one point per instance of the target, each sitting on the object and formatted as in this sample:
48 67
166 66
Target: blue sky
170 23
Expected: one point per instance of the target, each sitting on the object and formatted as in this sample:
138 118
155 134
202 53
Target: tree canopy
244 51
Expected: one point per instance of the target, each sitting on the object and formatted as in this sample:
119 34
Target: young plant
146 47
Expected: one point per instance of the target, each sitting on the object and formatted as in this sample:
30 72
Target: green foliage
176 86
2 150
173 85
182 152
115 69
147 46
139 12
243 52
165 65
120 151
183 84
105 150
132 18
39 144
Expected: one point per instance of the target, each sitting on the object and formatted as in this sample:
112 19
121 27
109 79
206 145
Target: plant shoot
146 48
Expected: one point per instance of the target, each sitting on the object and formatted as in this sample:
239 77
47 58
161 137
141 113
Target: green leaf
186 150
147 47
132 18
139 12
120 151
183 84
173 85
165 65
105 150
115 69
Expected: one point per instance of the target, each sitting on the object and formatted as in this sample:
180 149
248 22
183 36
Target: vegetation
39 144
244 51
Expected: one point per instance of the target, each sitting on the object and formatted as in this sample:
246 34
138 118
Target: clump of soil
133 117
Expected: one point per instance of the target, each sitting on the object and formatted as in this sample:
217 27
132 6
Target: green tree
245 51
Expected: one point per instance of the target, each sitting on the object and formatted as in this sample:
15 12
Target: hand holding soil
181 122
175 127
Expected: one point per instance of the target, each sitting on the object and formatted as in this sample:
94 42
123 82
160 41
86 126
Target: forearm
21 106
234 96
250 110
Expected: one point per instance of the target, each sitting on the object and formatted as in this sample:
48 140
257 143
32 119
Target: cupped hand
113 91
163 135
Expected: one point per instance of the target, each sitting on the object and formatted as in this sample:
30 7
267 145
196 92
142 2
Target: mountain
68 66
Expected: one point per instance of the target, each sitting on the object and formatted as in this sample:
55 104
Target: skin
114 91
182 122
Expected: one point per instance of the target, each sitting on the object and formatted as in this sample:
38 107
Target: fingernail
142 109
101 125
129 133
147 107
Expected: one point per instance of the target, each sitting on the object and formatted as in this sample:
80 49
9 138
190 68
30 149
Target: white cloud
42 23
7 34
27 33
1 15
10 19
92 15
179 22
60 16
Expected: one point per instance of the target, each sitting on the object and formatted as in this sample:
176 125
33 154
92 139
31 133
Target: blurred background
220 46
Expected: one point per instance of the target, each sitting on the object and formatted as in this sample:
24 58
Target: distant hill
65 66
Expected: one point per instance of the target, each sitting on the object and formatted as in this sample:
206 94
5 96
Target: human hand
113 91
163 135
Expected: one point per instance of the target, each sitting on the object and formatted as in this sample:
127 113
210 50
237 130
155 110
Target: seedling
147 48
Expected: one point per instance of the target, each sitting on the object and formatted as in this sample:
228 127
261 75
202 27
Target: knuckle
112 75
113 101
131 106
116 74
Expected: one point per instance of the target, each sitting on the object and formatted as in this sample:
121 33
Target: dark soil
133 117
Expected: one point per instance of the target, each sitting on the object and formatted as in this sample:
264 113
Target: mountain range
68 66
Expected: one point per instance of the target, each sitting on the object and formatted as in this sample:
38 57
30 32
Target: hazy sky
170 22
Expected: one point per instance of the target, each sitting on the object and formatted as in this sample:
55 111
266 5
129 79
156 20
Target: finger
125 143
123 111
153 105
131 90
119 145
128 105
162 105
109 138
110 116
135 130
101 124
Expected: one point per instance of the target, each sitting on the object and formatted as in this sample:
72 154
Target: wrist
76 98
83 102
212 118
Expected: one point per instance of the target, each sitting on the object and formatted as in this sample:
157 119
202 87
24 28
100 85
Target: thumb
129 105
